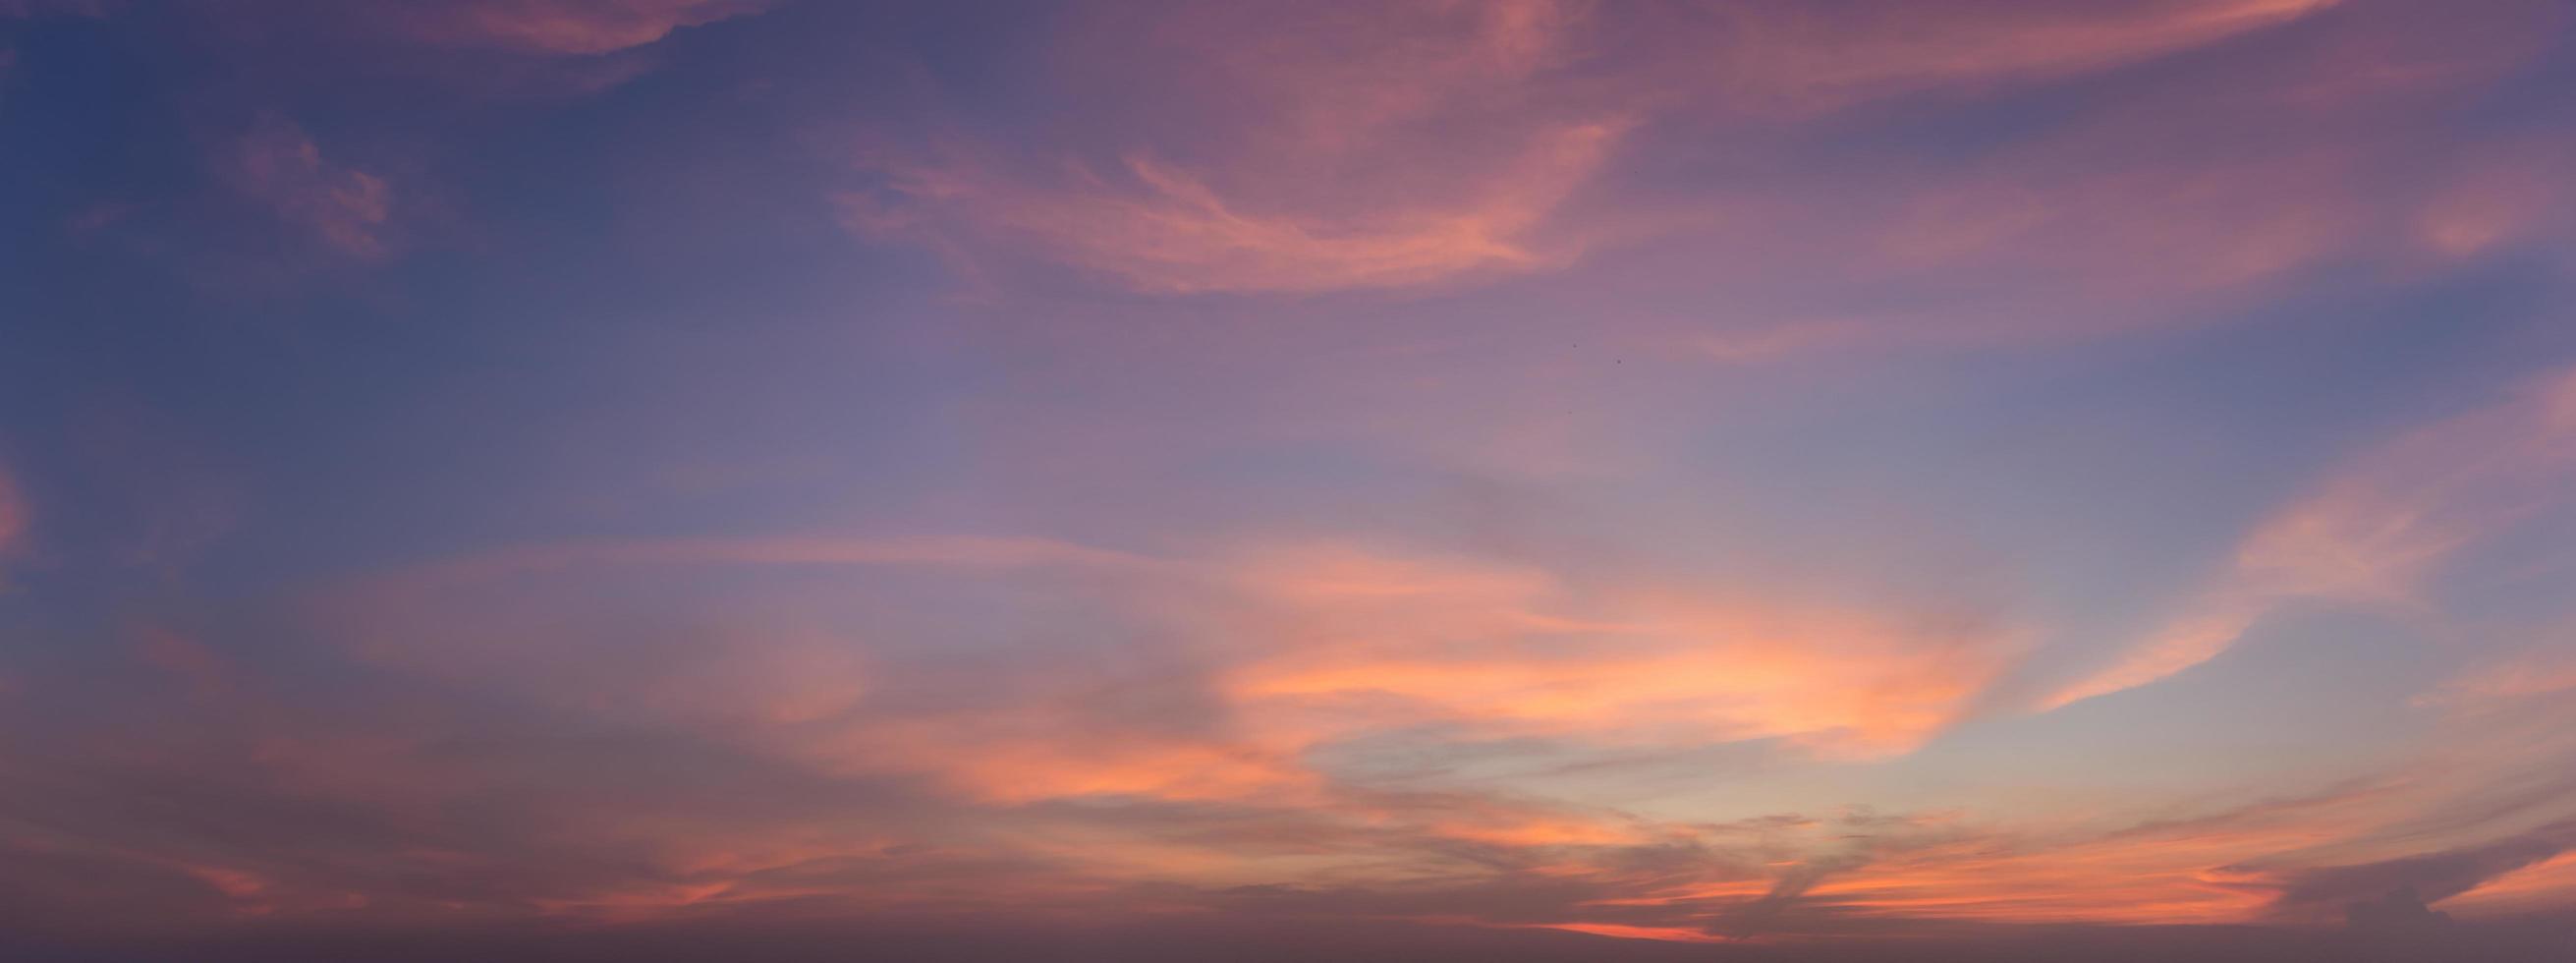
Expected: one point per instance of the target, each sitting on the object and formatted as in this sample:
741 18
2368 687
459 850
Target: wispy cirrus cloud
1425 143
1355 95
2374 529
1379 643
2541 670
1792 58
1165 231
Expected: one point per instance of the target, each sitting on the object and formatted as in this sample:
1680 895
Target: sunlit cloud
2532 887
1389 643
1313 643
1304 103
2539 672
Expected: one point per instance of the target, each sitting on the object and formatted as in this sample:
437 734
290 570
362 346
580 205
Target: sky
1501 480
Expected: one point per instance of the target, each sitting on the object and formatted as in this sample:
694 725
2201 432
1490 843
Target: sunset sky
1825 480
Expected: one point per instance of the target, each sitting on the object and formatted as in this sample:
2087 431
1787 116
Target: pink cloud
1808 59
1376 642
2544 670
562 27
1312 177
1370 147
278 165
1164 231
850 773
1298 648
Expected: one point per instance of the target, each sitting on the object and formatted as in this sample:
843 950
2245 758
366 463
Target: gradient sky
1150 480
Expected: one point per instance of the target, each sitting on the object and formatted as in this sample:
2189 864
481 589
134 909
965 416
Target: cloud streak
2373 531
1289 100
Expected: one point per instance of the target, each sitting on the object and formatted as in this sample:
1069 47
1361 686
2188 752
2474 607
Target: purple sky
1847 479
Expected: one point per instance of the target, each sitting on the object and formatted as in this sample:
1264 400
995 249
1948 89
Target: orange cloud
1669 934
786 675
1375 642
1408 144
1275 658
2542 886
1303 647
1166 231
2192 870
1025 755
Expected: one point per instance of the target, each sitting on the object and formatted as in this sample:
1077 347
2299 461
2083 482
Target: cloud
2537 888
968 552
277 165
1382 642
1809 59
1164 231
2544 670
1239 720
1474 715
13 515
2397 892
2165 870
554 27
1298 647
626 733
1414 144
2375 529
1171 728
